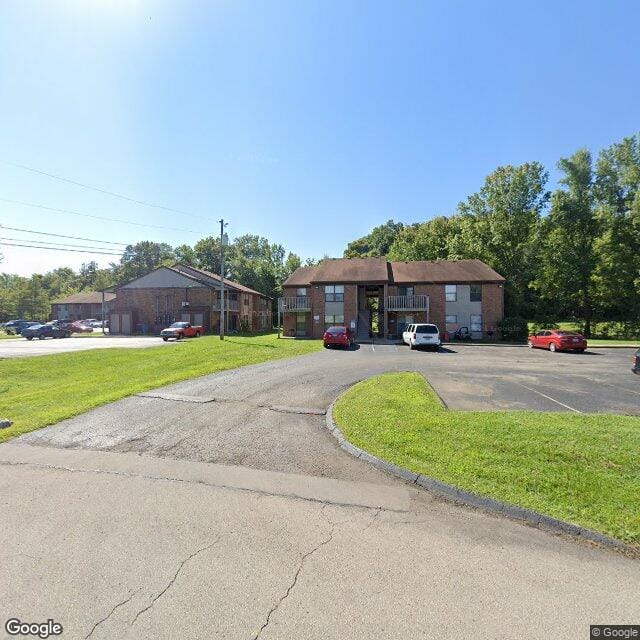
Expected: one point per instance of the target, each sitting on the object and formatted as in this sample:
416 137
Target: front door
301 324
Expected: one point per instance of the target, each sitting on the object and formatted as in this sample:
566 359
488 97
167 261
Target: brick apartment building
379 298
82 306
183 293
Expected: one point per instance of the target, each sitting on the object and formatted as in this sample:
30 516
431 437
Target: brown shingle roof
86 297
443 271
341 270
376 270
214 276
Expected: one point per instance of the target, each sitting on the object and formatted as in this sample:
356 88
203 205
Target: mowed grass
584 469
38 391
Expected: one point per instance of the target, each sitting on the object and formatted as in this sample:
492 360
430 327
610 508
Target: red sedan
558 340
338 336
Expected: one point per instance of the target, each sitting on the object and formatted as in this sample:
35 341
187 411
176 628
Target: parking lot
22 348
489 378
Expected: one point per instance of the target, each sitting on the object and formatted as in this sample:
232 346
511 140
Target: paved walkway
221 508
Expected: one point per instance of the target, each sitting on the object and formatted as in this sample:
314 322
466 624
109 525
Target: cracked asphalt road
114 527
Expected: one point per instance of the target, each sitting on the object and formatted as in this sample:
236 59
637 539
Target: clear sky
308 122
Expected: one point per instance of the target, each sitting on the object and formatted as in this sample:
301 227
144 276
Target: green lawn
584 469
5 336
38 391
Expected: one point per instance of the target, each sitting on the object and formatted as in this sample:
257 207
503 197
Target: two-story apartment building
180 292
83 305
376 297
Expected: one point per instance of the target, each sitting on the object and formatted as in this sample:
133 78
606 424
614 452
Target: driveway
22 348
221 507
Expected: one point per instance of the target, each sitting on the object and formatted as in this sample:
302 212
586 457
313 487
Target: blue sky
306 122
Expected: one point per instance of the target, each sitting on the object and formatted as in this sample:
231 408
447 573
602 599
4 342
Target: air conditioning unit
185 304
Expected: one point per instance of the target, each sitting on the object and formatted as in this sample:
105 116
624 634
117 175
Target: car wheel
579 350
412 346
179 336
165 339
41 337
552 347
530 344
29 337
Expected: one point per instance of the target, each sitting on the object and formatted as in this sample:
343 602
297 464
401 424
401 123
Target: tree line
570 254
250 260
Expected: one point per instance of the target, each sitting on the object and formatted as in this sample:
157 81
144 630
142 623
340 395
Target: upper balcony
408 303
229 305
295 303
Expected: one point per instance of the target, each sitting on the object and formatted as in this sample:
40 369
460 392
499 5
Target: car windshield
336 330
426 328
178 325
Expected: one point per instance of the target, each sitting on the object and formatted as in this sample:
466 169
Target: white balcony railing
408 303
295 303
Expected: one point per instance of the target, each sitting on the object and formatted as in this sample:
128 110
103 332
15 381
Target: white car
422 335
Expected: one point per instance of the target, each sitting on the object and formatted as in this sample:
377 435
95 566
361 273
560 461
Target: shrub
513 329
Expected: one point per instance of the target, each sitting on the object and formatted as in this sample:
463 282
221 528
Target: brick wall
492 305
143 306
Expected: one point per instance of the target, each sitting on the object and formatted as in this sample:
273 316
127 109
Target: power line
30 246
88 215
59 235
106 191
56 244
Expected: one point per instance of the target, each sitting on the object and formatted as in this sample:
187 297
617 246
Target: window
334 293
451 319
330 321
245 299
476 323
475 294
450 292
302 291
405 291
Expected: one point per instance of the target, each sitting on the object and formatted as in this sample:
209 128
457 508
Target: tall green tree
431 240
567 236
141 258
617 191
499 224
375 244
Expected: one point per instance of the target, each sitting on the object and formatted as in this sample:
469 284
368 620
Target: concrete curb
490 505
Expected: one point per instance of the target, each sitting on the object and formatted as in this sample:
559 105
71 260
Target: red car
338 336
558 340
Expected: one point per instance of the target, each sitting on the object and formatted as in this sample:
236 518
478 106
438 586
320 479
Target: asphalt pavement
222 507
23 348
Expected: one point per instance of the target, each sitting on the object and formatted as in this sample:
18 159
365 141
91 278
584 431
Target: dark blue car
49 330
636 362
16 326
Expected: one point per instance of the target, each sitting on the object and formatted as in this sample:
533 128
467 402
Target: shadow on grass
251 344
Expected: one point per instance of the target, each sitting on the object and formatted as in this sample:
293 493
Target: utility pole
223 224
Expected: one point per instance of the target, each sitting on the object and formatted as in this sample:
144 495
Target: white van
422 335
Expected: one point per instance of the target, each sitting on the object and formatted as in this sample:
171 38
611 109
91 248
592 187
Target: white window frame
451 292
473 326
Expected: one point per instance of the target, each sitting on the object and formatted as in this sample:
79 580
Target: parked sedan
15 327
636 362
49 330
558 340
422 335
338 337
80 326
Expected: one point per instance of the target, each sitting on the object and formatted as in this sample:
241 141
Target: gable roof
378 270
443 271
212 278
86 297
342 270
